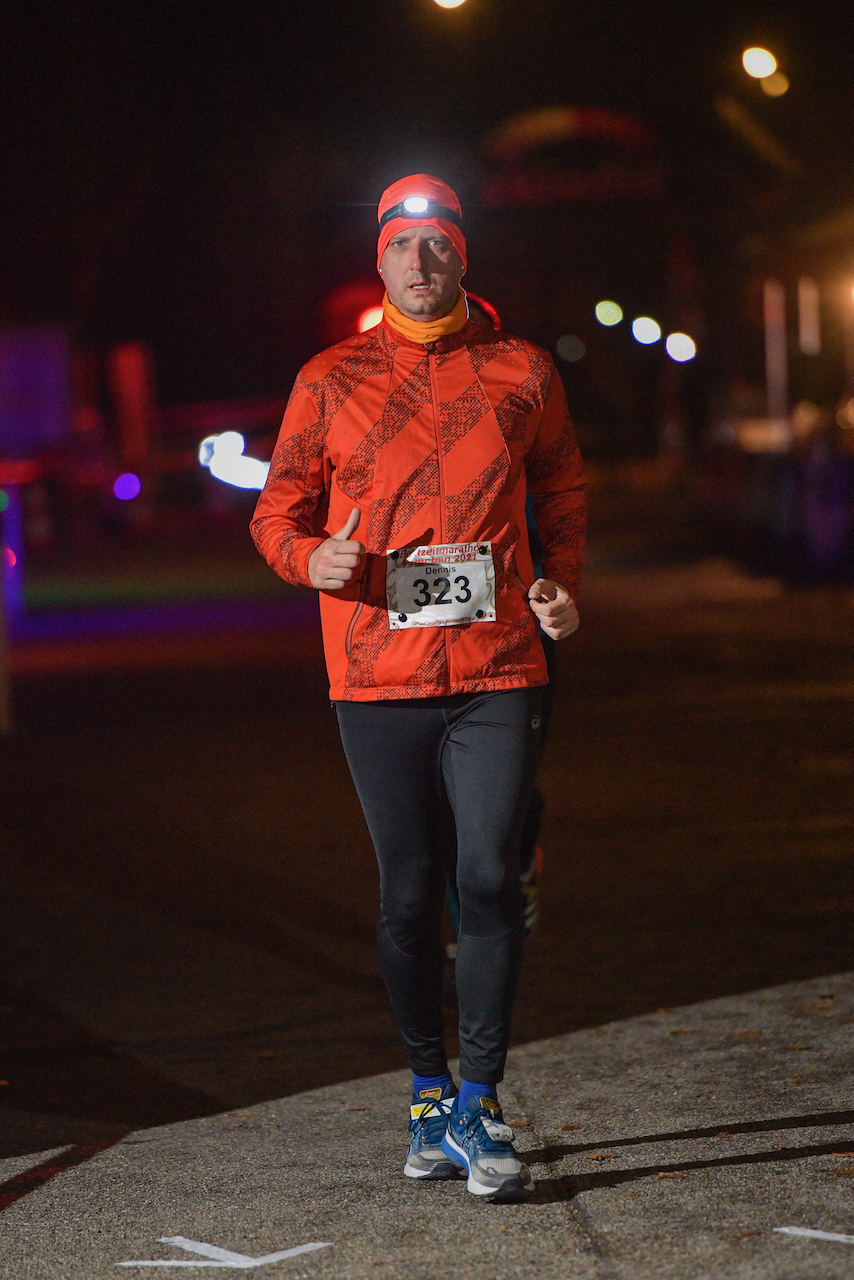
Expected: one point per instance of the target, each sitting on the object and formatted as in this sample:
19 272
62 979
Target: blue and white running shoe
479 1141
427 1123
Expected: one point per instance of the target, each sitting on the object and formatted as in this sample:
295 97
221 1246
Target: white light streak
223 456
815 1235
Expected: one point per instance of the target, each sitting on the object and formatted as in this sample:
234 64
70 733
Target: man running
423 436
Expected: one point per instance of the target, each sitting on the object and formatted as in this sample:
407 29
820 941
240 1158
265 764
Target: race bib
444 586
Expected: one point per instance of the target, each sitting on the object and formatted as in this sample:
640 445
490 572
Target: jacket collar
452 342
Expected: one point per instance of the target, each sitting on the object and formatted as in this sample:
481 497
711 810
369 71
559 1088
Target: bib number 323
441 586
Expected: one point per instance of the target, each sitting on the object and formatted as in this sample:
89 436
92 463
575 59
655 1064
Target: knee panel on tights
412 922
490 904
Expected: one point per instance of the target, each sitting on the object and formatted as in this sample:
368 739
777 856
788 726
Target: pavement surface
669 1145
187 932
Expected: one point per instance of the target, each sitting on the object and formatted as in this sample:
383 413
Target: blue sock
468 1089
422 1083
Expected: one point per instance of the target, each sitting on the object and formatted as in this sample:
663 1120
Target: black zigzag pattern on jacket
371 644
544 465
389 516
401 406
335 386
458 417
467 509
513 652
513 412
431 674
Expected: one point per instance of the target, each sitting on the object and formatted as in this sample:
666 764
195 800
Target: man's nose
417 258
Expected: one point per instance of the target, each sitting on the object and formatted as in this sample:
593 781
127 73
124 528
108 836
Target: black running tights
423 766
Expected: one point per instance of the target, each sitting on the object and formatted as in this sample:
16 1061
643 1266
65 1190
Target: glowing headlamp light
423 209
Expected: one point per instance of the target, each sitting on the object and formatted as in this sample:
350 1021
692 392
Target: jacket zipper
434 391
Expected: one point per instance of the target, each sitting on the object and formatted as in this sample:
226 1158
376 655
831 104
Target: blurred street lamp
608 313
775 85
680 347
571 348
759 63
645 331
369 318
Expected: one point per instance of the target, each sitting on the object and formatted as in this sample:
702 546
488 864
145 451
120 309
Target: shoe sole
443 1171
513 1187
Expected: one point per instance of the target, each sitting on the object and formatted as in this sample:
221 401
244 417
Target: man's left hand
554 607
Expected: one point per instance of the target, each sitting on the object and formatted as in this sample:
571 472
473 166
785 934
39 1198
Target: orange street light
759 63
775 85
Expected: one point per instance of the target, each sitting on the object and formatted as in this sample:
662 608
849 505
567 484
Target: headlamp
422 209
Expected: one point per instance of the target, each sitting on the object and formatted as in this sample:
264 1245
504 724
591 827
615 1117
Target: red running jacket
435 445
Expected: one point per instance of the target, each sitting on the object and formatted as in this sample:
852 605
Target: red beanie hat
432 203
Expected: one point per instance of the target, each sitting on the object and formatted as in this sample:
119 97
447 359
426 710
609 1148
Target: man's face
422 272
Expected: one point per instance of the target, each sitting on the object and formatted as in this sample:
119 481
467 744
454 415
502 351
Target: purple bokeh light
127 486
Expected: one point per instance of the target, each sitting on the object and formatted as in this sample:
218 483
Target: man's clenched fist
553 606
334 563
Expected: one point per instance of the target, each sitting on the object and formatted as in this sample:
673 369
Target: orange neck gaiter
425 331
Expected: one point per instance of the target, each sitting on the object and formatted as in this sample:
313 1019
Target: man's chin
423 308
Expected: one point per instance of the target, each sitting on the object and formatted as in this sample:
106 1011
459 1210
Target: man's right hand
334 563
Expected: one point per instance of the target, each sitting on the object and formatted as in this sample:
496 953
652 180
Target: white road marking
815 1235
216 1257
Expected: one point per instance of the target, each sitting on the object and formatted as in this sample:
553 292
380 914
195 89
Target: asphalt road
188 906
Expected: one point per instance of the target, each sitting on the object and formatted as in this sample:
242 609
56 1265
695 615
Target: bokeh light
774 86
570 348
608 313
223 455
10 558
4 499
369 319
680 347
759 63
230 443
127 487
645 330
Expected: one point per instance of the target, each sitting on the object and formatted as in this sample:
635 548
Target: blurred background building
664 200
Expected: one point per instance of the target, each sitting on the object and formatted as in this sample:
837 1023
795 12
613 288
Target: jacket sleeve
286 518
555 476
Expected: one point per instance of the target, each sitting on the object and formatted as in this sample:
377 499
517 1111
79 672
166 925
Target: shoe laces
488 1134
432 1122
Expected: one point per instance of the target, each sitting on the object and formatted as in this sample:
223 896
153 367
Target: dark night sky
191 173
